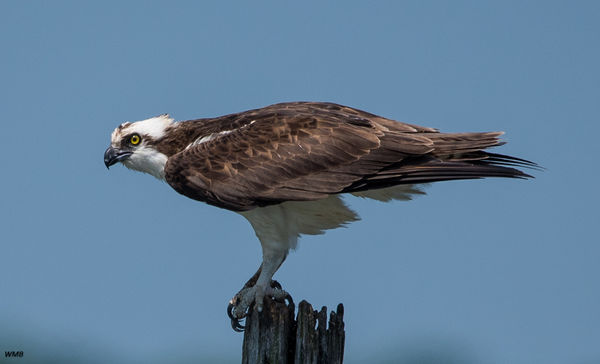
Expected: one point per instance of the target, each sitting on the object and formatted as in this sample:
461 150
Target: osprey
285 167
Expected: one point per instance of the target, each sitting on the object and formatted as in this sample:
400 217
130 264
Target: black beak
114 155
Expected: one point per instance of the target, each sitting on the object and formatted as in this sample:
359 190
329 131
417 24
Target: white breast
279 226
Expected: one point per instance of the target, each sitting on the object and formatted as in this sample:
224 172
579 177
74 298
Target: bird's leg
257 287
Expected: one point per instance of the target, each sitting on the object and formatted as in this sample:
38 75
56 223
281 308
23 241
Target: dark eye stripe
128 140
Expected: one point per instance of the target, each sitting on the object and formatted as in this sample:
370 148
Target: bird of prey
286 166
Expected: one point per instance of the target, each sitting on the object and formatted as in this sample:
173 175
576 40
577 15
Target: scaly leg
257 287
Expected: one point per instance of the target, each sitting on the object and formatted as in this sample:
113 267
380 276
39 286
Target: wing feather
307 151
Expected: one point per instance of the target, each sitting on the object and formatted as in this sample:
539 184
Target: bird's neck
179 136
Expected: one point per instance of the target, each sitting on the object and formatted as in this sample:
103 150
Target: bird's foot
240 304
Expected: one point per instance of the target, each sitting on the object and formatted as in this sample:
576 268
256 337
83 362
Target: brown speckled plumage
308 150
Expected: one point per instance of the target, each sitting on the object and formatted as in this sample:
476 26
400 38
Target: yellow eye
135 139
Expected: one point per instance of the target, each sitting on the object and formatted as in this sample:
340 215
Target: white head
134 145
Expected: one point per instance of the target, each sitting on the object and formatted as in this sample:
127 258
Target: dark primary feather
306 151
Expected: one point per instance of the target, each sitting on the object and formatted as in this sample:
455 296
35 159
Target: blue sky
102 266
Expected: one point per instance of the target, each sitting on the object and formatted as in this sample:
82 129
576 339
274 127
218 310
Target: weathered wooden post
273 336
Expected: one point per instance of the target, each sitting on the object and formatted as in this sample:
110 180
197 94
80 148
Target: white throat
147 160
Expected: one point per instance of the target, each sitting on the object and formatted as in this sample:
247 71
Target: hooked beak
114 155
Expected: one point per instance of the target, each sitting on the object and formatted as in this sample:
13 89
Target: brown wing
307 151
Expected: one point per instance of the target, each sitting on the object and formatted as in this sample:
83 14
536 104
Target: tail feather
506 160
448 145
437 171
455 156
452 170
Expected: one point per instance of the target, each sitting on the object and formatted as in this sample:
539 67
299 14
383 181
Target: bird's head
135 145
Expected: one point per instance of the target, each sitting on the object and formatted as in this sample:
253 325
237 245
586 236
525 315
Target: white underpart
147 160
279 226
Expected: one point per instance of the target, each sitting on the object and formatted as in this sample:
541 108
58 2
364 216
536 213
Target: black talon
235 322
230 311
237 327
289 298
